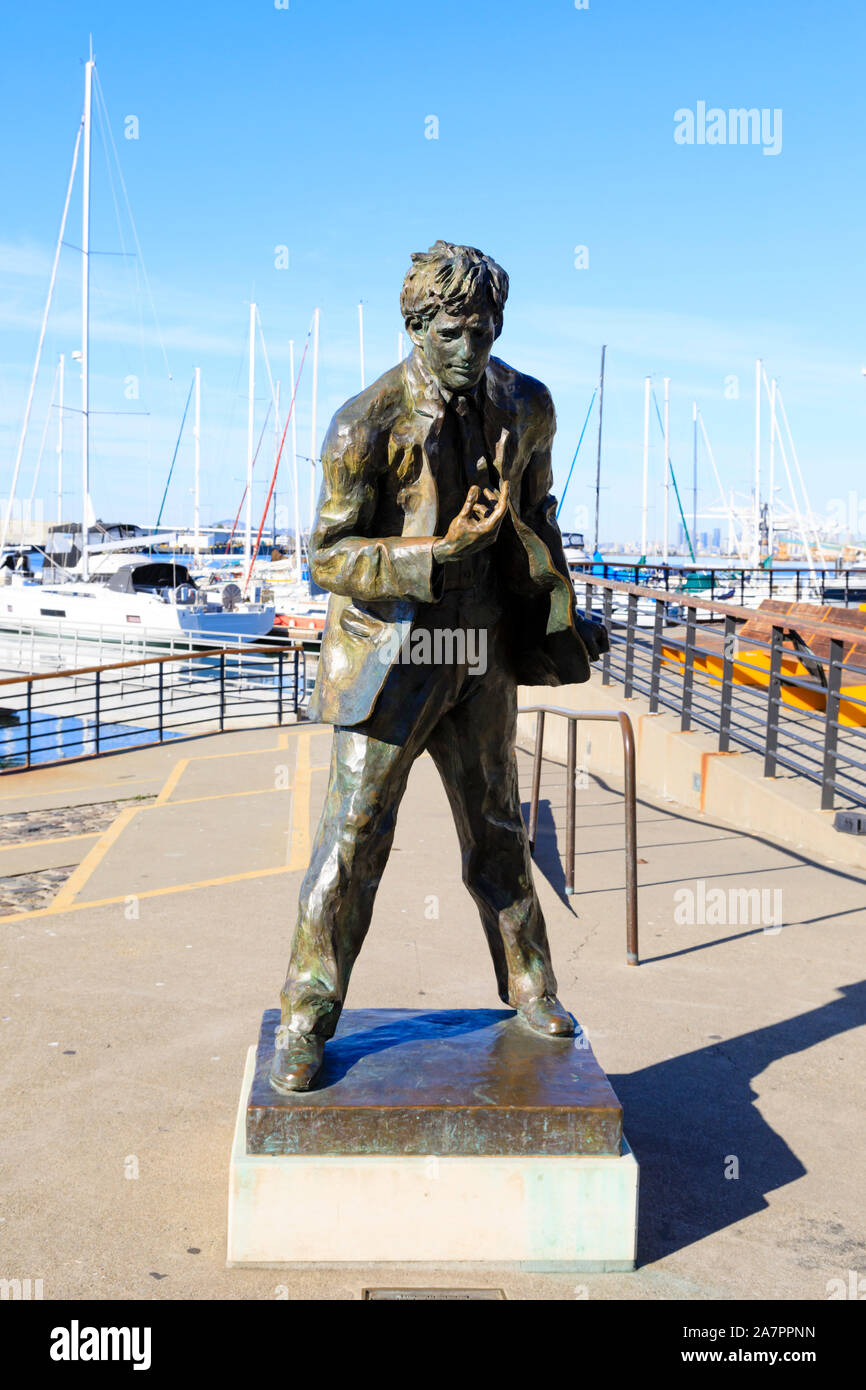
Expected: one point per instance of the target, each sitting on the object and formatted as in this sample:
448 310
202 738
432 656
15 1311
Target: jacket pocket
359 624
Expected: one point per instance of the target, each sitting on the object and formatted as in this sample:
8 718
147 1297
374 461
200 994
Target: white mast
29 406
728 505
295 465
646 422
196 434
756 543
313 425
275 508
667 433
248 536
361 337
62 373
85 318
806 502
771 529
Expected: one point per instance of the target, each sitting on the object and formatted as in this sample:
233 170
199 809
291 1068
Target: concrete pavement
129 1003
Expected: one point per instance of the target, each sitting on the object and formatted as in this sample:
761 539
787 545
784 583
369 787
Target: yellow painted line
54 910
57 840
217 796
299 842
91 861
172 780
238 753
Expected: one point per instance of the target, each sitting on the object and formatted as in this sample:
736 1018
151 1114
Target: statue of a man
436 536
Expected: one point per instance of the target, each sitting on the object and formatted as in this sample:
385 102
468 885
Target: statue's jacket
372 542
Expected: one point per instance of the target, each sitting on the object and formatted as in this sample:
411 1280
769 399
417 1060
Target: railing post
630 631
774 703
797 590
631 923
279 687
831 723
570 809
847 586
688 670
297 680
607 609
656 664
160 668
222 691
727 701
536 779
96 701
29 721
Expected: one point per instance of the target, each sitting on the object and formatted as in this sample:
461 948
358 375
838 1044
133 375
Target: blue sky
305 127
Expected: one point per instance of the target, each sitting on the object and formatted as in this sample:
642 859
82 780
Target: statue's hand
475 526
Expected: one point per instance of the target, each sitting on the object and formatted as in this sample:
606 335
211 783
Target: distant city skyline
297 156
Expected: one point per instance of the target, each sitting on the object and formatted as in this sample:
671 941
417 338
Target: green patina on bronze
435 517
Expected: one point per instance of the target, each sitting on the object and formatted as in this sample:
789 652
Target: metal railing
49 717
823 584
56 644
799 713
630 801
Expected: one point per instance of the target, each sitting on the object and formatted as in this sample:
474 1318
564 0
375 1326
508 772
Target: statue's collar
428 396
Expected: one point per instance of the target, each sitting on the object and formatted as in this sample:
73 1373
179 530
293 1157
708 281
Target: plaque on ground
447 1082
430 1295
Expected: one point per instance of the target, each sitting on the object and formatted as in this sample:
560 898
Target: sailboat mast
276 459
756 542
313 424
598 452
62 375
248 531
85 318
667 434
695 475
646 433
771 533
295 466
196 434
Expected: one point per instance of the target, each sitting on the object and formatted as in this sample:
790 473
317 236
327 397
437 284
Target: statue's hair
449 277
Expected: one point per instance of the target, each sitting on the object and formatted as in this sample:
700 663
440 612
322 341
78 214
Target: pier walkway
147 904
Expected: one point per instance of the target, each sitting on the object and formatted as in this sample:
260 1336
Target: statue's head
452 302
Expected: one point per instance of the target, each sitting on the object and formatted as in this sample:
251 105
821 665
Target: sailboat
92 595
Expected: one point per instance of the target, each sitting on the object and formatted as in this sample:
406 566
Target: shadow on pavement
692 1119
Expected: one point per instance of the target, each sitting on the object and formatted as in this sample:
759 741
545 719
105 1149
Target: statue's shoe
297 1061
546 1015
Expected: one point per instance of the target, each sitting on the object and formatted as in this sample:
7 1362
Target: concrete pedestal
539 1210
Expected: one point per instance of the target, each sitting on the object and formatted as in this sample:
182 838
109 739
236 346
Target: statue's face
457 346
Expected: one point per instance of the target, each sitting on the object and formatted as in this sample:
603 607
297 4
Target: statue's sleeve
344 557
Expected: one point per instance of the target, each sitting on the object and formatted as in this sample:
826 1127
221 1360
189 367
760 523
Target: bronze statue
435 533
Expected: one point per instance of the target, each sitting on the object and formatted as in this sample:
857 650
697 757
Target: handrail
725 610
192 654
630 807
